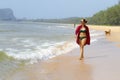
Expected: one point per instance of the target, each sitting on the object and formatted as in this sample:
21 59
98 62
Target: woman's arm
77 30
88 36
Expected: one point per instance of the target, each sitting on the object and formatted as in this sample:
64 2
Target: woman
82 36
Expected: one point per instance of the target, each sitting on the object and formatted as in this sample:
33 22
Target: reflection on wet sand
83 71
60 68
68 68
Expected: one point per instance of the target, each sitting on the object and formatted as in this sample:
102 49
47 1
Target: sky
50 9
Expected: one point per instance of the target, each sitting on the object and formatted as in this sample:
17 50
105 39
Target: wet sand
101 63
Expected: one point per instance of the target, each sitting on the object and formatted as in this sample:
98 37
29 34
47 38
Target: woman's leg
82 44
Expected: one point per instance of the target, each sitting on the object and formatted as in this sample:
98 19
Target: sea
24 43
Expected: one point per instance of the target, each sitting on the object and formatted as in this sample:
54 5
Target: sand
101 63
115 32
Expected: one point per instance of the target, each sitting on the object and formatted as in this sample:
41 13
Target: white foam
61 26
66 26
45 50
95 33
39 53
93 40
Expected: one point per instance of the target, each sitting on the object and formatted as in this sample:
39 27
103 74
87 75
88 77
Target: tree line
111 16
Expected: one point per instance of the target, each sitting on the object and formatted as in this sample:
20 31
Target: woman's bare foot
81 58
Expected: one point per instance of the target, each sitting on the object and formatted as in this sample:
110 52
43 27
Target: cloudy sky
56 8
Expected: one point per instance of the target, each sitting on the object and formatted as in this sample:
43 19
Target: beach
36 55
101 63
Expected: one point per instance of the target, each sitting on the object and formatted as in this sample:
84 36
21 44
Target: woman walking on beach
82 36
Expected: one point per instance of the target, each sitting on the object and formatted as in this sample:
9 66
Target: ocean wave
4 56
33 51
7 65
40 53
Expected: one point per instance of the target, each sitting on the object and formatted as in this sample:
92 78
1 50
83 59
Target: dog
108 32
